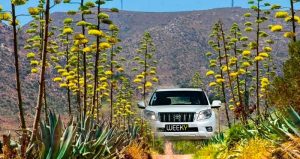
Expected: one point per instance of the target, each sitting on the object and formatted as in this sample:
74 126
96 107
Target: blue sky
146 5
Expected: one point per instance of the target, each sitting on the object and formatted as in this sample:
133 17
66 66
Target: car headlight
204 114
150 115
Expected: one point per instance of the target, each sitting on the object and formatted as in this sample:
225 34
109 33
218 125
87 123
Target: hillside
180 38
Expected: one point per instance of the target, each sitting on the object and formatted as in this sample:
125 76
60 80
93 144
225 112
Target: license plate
176 127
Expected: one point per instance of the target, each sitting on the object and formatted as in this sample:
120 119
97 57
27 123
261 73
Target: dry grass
255 149
288 150
136 151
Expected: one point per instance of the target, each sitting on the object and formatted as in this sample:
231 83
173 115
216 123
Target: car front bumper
201 133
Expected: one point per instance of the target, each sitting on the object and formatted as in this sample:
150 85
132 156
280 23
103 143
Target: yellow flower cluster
68 31
57 79
241 71
154 79
289 35
246 53
87 49
281 14
258 58
148 84
211 84
276 28
209 73
137 80
30 55
233 74
245 64
289 19
5 16
105 45
264 54
96 32
108 73
33 11
225 68
267 49
220 80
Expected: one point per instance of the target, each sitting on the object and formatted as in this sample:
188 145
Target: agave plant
98 140
54 142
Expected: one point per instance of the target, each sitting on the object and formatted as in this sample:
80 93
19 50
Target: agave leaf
293 116
56 137
46 139
66 145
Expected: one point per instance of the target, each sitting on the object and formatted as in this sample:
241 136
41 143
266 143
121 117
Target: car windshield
178 98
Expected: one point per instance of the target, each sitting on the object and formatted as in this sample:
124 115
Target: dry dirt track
169 153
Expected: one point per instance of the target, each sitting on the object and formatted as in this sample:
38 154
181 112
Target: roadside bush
285 90
186 147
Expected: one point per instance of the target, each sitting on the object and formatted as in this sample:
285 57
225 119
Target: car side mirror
216 104
141 105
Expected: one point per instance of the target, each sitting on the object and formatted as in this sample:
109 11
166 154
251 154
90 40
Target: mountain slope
181 41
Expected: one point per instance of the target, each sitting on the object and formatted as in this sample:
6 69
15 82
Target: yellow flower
87 49
105 45
246 53
289 35
281 14
211 84
63 85
276 28
79 36
241 71
68 31
33 11
265 81
246 64
70 77
220 80
225 68
108 73
264 54
140 76
57 79
154 79
30 55
34 62
137 80
103 79
233 74
74 49
289 19
34 70
120 69
231 107
248 29
106 94
96 32
152 72
148 84
5 16
267 49
258 58
218 76
209 73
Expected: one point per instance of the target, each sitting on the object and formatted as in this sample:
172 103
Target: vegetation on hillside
89 69
83 60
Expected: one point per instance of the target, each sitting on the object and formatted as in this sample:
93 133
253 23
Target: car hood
178 108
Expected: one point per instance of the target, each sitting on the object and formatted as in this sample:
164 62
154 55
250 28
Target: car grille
176 117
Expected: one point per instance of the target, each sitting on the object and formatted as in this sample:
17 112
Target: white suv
181 113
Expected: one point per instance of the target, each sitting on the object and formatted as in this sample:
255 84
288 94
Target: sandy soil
169 153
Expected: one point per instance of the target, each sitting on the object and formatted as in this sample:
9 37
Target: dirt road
169 153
